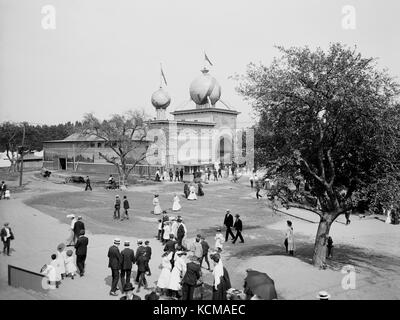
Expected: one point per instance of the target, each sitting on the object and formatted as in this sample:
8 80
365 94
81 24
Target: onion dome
160 99
205 86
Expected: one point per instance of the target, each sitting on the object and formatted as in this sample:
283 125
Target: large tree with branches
332 117
125 135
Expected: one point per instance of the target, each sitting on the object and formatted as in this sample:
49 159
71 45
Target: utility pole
22 157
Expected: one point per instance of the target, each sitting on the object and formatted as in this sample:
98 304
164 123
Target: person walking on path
176 206
148 251
228 223
81 252
347 215
180 234
178 271
215 175
258 189
156 203
197 248
191 277
71 240
251 181
289 238
176 175
171 175
165 274
114 263
329 246
3 188
128 259
88 186
141 262
238 227
205 246
117 207
219 172
219 240
6 236
126 207
222 282
181 174
78 226
186 190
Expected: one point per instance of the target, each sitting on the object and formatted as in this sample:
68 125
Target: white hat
117 241
323 295
72 216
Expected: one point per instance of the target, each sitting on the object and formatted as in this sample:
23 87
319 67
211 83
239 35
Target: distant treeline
11 134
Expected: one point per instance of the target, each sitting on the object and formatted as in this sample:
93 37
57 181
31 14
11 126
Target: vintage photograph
199 150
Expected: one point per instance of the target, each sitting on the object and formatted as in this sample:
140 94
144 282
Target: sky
104 55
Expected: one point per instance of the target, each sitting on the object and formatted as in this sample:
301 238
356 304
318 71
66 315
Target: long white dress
167 232
70 266
61 260
177 273
192 194
56 265
219 240
157 207
165 275
290 238
176 205
174 228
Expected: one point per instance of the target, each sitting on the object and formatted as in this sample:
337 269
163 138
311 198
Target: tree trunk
319 256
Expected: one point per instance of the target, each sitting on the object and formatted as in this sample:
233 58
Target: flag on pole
206 58
163 75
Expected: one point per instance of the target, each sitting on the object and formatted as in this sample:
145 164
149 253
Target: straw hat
117 241
323 295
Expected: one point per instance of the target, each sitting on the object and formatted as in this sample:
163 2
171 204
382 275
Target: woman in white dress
219 240
156 204
165 275
167 231
192 194
176 205
70 266
61 259
177 273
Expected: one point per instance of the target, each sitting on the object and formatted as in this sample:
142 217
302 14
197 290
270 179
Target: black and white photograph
199 150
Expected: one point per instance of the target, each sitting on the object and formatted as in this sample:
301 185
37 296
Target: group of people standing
169 175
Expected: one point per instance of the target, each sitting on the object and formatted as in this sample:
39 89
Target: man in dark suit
181 174
141 263
170 245
115 263
139 251
128 259
147 249
238 227
228 222
206 247
81 252
6 236
78 226
180 233
189 281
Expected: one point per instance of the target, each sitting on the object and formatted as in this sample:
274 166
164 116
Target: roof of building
184 122
81 137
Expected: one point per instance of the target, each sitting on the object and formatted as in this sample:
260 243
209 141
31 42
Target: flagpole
161 75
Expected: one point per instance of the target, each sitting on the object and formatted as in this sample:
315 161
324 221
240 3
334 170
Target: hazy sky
104 55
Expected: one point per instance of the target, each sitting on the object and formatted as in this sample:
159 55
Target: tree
332 117
125 135
10 142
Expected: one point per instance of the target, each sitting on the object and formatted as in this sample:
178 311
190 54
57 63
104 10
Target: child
160 229
7 194
70 266
56 265
219 240
50 273
329 246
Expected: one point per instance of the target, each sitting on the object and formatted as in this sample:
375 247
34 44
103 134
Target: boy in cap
117 207
114 263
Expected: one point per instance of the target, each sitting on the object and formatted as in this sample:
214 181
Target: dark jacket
170 245
128 258
141 262
238 225
78 226
117 203
148 252
126 204
139 251
228 221
114 258
81 246
180 233
3 233
205 247
193 273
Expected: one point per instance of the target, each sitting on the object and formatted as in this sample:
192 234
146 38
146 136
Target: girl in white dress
192 194
177 272
176 205
61 259
70 266
165 275
219 240
156 204
167 231
289 240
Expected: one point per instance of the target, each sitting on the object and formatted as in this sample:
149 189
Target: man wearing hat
139 251
192 275
6 236
81 252
180 233
238 227
323 295
114 263
129 295
228 222
128 259
148 251
78 226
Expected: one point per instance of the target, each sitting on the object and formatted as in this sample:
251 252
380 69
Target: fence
22 278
